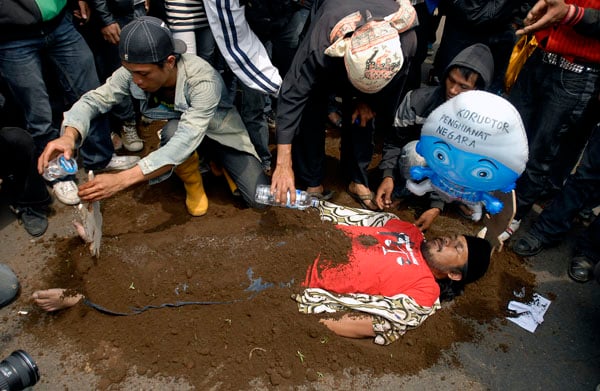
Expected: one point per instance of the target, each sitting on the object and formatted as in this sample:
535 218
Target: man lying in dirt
174 86
394 279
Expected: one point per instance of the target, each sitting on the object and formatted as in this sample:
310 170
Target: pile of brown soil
243 266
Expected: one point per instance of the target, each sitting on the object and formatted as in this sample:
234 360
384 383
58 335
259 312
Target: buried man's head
456 260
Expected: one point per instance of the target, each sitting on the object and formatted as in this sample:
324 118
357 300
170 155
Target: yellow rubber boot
232 186
220 171
195 199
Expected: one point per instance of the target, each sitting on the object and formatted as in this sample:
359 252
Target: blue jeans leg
75 64
21 68
20 65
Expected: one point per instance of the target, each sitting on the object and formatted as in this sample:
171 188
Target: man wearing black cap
169 85
394 278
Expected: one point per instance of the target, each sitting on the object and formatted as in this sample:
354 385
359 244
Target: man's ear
171 60
455 276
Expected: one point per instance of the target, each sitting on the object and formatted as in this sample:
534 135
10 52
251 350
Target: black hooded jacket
419 103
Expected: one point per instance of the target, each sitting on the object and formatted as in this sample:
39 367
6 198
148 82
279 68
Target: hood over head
478 58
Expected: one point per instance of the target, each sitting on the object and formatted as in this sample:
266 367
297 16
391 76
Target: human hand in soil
65 145
383 198
426 219
362 114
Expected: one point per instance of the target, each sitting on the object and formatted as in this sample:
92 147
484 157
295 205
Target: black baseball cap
478 260
148 40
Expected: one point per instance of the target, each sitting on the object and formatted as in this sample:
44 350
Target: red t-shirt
390 266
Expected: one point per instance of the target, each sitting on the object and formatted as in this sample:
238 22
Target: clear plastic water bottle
60 167
303 200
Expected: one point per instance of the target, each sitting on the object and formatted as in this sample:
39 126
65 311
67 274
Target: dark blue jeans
73 64
550 100
581 189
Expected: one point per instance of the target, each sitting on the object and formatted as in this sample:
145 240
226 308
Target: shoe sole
133 149
74 202
105 169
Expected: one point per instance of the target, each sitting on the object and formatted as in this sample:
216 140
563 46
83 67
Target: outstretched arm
106 185
545 13
548 13
356 326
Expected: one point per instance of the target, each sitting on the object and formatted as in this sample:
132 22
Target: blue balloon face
472 171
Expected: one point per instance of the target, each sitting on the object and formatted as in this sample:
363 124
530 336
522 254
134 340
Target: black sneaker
35 220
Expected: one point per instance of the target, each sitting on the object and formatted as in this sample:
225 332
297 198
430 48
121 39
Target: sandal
361 198
528 245
324 195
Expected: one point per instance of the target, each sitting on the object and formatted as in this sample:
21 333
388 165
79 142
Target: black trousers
18 169
581 189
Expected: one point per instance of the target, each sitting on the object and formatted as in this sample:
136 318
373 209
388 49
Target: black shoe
581 269
9 284
35 220
528 245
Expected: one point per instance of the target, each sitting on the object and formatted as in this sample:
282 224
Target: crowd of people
214 71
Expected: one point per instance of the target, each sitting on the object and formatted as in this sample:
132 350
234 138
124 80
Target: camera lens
18 371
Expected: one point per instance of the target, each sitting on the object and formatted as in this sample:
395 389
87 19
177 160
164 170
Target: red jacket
566 41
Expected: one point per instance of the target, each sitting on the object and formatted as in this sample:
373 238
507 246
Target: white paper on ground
531 314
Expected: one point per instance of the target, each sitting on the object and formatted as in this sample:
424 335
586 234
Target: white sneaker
66 192
512 228
120 163
131 141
